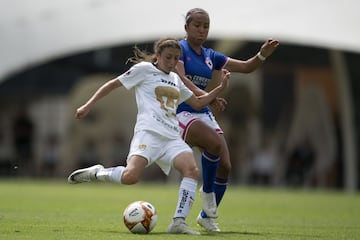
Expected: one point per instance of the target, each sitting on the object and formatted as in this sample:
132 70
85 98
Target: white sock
187 191
110 174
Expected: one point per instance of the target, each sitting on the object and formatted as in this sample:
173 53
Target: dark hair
159 46
189 14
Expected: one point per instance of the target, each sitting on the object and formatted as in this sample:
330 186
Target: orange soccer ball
140 217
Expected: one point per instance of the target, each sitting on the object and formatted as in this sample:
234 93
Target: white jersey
157 96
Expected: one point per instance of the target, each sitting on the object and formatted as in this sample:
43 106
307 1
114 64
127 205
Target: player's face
168 58
198 29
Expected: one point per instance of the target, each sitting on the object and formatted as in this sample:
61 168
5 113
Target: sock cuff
210 157
116 174
221 181
188 184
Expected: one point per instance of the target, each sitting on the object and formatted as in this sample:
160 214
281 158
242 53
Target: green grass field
57 210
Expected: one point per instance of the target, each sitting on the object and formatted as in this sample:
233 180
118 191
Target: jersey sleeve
183 50
133 76
219 60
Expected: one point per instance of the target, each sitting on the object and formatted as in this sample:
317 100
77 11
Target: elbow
245 68
249 69
246 71
197 103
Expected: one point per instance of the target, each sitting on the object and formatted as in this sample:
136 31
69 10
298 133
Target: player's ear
185 27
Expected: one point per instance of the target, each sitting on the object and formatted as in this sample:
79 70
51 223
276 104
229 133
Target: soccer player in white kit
156 134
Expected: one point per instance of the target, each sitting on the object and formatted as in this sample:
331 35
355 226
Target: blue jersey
199 68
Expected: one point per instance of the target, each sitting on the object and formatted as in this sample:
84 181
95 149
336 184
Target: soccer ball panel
140 217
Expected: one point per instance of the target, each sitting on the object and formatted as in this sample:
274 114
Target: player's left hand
269 47
81 111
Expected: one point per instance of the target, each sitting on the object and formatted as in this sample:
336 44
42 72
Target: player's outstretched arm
104 90
180 70
198 102
250 65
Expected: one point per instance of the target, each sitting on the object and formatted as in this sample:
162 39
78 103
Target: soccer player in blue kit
199 128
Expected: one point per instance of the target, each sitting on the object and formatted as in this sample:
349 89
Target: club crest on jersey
142 147
209 63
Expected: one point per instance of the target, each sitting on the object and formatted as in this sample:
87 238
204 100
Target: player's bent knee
214 146
193 173
214 149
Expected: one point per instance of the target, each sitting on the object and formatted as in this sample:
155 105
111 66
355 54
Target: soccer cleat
207 223
179 226
84 174
209 204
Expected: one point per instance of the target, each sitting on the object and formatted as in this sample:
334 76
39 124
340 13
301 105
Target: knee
214 146
218 147
192 172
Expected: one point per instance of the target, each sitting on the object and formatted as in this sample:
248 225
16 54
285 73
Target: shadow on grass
210 234
229 233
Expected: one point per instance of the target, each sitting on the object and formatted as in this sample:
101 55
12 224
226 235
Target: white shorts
157 148
186 119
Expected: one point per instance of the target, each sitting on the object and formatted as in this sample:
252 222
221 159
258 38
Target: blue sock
219 189
209 163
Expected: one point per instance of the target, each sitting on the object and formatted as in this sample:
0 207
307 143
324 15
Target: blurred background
292 123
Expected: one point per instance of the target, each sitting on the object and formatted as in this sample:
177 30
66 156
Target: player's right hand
81 112
225 75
